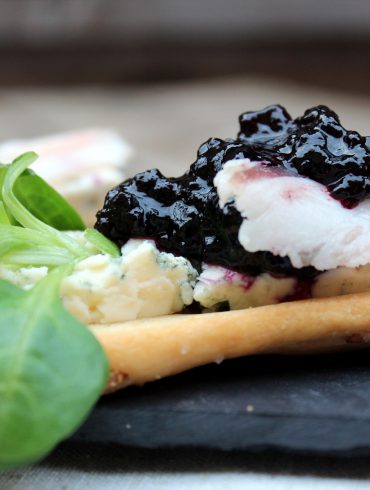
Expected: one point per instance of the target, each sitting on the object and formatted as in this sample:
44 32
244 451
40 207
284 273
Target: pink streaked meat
290 215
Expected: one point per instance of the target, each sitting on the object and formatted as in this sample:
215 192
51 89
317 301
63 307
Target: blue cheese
24 277
143 282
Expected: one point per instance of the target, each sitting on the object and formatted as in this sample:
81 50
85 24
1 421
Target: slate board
317 404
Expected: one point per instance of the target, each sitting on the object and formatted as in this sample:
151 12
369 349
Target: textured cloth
93 468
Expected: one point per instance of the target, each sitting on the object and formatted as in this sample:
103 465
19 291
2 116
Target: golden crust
149 349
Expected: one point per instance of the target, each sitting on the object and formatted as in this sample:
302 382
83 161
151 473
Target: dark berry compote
183 216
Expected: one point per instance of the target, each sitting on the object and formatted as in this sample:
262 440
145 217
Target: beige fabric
165 124
113 468
56 479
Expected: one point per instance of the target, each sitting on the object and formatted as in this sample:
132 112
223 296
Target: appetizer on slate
277 215
281 213
262 217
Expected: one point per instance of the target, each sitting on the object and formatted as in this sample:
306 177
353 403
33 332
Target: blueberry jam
183 216
315 145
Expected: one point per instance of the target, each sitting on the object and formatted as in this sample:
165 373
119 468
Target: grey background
321 42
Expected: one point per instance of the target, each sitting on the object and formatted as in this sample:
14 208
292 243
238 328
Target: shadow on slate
317 404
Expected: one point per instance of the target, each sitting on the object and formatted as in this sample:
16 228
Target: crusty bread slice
152 348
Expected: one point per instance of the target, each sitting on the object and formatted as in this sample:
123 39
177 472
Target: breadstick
149 349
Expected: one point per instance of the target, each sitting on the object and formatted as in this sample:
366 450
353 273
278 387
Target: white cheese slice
293 216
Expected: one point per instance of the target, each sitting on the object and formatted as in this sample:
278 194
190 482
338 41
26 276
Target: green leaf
44 202
29 247
101 242
52 371
37 256
4 218
24 217
14 237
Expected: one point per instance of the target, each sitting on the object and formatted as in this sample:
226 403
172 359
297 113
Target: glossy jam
183 216
315 145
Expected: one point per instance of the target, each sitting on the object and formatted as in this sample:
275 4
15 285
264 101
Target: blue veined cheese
24 277
143 282
217 285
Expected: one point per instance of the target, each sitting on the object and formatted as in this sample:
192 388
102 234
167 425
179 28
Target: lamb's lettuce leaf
4 218
24 217
23 246
102 243
18 213
44 202
52 371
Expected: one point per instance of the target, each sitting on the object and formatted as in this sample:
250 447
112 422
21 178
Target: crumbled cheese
217 285
79 237
143 282
24 277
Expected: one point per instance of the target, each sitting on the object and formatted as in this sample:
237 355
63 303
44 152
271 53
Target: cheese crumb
217 285
143 282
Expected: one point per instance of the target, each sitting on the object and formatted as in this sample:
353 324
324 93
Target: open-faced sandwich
180 272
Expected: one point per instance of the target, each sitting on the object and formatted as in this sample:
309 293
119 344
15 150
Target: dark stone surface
316 404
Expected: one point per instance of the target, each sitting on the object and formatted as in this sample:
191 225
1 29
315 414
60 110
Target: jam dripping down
183 216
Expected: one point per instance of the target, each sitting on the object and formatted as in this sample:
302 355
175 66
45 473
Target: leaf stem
27 219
